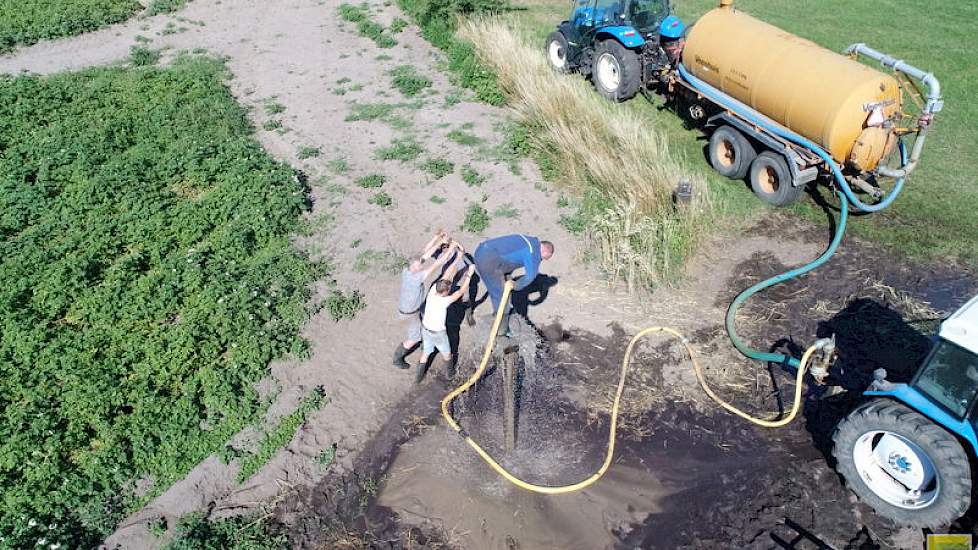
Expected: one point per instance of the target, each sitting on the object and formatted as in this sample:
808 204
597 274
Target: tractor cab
591 16
613 41
949 375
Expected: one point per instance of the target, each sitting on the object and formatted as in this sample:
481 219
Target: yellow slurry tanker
781 110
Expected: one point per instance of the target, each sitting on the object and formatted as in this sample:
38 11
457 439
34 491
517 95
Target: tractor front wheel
616 71
907 468
557 52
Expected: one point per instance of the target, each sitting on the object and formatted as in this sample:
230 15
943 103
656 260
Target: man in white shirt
434 334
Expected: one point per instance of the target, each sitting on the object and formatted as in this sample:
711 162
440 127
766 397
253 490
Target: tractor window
608 12
645 15
950 377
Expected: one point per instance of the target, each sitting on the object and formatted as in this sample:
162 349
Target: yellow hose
614 408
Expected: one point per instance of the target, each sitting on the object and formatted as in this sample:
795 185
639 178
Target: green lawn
147 279
937 215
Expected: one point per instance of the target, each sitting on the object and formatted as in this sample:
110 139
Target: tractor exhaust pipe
934 102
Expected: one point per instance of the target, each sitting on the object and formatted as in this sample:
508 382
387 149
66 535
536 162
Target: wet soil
682 477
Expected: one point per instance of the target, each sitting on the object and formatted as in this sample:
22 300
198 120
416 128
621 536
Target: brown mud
680 478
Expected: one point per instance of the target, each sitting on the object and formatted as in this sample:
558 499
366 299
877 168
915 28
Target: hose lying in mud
556 490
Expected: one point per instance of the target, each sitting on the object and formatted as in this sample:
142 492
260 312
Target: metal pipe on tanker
934 102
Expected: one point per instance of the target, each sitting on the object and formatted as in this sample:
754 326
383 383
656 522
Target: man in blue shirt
496 259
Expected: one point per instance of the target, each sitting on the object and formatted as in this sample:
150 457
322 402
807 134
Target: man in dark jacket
496 259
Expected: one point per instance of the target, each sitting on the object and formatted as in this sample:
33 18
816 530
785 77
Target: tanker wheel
770 178
616 72
557 52
731 153
907 468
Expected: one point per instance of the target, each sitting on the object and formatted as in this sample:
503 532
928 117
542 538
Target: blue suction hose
844 193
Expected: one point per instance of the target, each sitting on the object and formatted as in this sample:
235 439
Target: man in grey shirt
412 293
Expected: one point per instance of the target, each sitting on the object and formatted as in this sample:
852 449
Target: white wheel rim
608 71
896 469
558 57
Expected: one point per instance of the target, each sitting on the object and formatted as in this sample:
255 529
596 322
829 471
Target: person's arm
464 286
431 246
438 263
531 268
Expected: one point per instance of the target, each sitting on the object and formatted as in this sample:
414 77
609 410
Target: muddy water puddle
437 480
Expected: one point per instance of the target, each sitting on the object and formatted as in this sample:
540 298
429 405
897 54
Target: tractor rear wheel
557 52
731 153
616 71
770 178
907 468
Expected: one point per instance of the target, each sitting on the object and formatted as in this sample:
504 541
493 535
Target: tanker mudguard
911 397
628 36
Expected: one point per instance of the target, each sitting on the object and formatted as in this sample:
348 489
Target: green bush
147 279
25 22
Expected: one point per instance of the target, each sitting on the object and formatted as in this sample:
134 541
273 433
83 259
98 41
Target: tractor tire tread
631 71
945 450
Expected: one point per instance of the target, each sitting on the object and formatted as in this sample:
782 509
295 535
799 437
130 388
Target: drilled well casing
822 95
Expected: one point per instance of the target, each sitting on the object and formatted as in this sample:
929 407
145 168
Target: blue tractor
622 45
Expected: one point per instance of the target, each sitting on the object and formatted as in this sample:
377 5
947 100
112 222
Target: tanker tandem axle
739 79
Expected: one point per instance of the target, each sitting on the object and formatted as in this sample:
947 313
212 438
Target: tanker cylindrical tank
824 96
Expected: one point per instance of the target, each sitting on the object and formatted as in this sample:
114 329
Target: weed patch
157 7
196 532
438 168
381 199
437 199
403 149
476 218
307 152
144 236
341 305
471 177
408 81
141 56
464 138
506 211
367 27
372 181
280 436
377 260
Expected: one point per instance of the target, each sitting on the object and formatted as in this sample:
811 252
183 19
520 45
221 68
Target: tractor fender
916 401
625 34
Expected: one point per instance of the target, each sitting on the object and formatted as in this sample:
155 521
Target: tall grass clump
623 168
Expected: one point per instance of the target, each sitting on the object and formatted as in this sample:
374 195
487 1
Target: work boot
450 369
399 354
419 375
469 318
